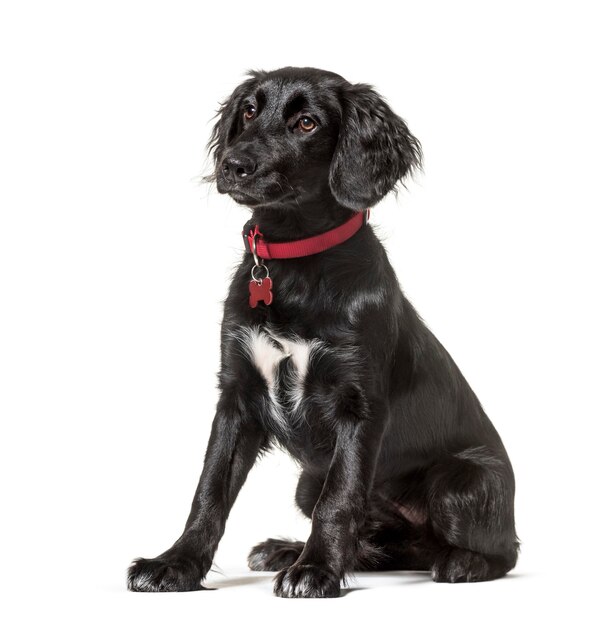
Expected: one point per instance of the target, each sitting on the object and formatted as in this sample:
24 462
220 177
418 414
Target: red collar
307 246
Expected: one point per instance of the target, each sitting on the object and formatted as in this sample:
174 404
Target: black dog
323 356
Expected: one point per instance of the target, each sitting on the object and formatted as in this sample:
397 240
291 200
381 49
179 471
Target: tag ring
260 266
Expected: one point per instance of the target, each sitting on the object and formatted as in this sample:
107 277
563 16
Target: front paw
306 581
170 571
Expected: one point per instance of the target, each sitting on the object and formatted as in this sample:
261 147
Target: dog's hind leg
395 537
390 540
470 505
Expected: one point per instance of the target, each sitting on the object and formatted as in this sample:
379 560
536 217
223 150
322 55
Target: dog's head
289 135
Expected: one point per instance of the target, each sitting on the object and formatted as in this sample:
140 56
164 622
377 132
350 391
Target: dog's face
296 134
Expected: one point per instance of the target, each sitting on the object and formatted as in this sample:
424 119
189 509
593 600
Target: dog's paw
306 581
460 566
168 572
273 555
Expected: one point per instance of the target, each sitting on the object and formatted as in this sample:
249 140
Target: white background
114 262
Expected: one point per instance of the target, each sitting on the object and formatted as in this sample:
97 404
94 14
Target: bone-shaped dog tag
260 291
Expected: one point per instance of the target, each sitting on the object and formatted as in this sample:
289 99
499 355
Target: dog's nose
238 166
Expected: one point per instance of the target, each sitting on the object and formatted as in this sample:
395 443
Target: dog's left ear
375 149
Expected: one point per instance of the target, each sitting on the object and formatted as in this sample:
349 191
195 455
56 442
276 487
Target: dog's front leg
339 513
233 446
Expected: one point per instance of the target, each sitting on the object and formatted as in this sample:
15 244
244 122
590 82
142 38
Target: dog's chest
285 363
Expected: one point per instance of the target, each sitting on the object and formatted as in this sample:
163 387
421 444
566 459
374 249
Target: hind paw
457 565
273 555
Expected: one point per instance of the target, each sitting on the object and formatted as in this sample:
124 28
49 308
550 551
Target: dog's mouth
264 190
252 200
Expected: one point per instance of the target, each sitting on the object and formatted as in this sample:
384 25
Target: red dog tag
260 292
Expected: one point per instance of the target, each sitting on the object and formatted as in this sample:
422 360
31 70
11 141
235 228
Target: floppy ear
375 149
227 124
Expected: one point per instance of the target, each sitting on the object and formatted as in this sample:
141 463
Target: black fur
401 467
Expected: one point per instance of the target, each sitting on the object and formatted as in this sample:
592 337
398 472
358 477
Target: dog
324 357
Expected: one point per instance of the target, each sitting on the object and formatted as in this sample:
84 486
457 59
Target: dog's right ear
228 119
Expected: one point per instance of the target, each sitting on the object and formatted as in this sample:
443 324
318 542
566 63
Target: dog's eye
249 112
306 124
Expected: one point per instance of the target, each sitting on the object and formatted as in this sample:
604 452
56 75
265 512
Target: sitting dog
323 356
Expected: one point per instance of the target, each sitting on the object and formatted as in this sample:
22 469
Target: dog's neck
299 221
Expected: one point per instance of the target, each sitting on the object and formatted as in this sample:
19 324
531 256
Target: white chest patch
267 350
